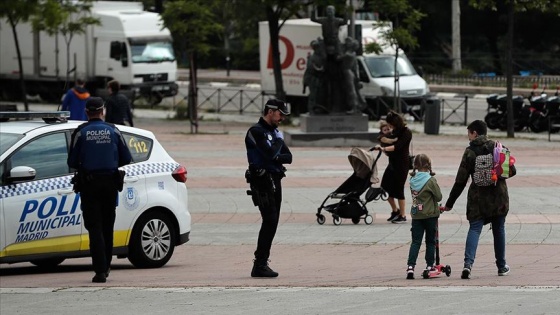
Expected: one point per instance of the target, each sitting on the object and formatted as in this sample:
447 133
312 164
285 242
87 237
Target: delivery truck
131 46
376 71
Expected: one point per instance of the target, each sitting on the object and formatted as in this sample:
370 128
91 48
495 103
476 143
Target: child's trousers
419 226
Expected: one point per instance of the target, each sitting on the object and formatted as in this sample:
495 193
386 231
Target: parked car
40 217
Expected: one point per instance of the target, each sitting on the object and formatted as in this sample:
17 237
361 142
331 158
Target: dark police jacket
265 150
98 147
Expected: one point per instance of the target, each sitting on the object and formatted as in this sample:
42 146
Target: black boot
262 270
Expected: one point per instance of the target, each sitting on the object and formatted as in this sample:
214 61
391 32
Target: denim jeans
499 233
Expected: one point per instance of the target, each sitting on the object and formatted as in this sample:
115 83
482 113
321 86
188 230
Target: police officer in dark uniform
97 151
266 154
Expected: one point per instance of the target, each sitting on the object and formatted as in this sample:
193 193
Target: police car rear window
140 147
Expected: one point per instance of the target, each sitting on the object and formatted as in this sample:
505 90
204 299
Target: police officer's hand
279 134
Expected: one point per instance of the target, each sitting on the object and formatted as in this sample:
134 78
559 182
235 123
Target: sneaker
263 271
503 271
99 278
399 220
466 274
393 216
410 272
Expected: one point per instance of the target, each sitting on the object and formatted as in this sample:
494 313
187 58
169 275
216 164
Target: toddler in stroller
346 200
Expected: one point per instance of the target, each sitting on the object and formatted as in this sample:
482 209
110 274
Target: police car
40 217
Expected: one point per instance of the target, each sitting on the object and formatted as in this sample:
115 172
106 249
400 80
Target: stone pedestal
332 131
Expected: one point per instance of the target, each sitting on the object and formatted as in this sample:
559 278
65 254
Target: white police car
40 217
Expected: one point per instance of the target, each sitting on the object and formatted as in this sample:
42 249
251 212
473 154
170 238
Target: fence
492 80
232 100
224 99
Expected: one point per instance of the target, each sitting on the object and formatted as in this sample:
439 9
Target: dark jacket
98 147
118 110
482 202
265 150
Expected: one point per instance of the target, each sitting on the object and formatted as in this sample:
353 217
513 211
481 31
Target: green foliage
192 23
18 11
405 22
64 17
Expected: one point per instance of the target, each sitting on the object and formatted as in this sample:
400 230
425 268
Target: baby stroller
348 204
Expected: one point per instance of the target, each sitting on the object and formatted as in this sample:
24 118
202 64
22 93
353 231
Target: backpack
503 161
491 166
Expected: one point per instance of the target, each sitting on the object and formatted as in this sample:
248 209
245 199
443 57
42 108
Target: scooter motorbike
541 108
497 112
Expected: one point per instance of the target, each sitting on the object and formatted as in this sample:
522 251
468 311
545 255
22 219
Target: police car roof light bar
49 117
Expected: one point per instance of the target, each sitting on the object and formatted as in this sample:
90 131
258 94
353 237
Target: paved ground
323 268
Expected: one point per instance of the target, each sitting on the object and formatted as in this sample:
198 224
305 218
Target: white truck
375 71
130 46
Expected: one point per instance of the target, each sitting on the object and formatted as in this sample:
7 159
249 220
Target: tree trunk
66 84
509 70
192 97
20 64
274 30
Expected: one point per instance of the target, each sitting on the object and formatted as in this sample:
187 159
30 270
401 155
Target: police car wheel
47 262
152 242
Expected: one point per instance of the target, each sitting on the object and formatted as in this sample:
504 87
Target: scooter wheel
426 274
448 270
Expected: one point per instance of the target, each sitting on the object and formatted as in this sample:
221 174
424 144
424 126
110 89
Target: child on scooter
425 211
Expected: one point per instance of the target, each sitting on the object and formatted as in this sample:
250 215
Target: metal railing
493 80
224 99
454 105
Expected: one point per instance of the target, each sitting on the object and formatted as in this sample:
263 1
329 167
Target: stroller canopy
364 164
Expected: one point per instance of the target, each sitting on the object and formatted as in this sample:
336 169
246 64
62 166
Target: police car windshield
8 139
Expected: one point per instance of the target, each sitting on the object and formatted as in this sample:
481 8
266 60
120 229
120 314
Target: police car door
41 215
133 198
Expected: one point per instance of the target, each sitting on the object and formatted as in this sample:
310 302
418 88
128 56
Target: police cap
278 105
94 104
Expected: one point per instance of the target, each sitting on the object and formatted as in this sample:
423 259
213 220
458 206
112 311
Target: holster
119 179
262 187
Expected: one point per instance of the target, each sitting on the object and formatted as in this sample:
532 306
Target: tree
405 20
16 12
192 22
510 6
64 17
277 12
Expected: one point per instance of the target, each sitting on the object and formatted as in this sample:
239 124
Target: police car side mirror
21 173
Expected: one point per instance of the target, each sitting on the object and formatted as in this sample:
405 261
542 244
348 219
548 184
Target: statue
314 78
351 79
332 70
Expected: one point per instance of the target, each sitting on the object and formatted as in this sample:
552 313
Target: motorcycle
541 108
497 112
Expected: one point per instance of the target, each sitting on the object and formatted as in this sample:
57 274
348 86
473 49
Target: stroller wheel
356 220
320 219
336 220
368 219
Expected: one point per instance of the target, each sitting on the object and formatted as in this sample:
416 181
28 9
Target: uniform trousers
270 217
98 204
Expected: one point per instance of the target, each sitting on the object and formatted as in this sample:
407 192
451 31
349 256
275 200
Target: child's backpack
490 166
